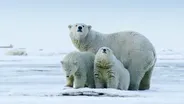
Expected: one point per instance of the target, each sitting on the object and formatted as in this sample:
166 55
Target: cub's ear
89 27
69 26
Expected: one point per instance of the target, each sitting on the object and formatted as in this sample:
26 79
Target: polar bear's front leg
98 83
69 82
79 80
112 81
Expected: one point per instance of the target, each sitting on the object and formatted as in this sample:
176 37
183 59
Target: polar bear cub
78 67
109 72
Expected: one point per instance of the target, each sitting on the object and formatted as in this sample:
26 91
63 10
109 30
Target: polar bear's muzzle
104 50
79 29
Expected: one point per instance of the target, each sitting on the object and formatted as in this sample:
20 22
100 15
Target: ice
38 79
33 52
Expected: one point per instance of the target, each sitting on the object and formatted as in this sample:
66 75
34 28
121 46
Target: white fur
109 72
133 49
80 66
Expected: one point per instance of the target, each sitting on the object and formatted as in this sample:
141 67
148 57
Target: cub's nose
80 27
104 50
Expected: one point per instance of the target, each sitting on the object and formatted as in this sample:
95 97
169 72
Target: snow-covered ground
40 80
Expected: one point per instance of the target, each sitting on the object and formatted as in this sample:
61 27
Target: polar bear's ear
89 27
69 26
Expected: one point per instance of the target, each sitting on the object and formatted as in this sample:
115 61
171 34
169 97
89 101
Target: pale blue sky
44 23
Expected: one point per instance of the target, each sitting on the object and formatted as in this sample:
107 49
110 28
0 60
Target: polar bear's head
104 56
69 66
105 51
79 30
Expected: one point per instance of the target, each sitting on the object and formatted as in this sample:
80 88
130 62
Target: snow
32 52
38 79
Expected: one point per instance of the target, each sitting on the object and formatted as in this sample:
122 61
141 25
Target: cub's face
69 67
104 53
79 30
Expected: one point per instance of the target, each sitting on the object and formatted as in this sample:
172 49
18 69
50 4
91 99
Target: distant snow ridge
16 52
164 54
169 54
45 52
31 52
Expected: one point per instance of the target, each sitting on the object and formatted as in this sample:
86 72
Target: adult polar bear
133 49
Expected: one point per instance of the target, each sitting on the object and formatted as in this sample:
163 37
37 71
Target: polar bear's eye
76 25
82 25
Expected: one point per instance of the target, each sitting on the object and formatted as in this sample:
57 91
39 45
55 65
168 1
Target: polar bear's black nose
80 27
104 50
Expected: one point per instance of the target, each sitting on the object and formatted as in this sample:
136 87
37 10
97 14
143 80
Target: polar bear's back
124 43
130 40
121 42
83 59
80 57
87 57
